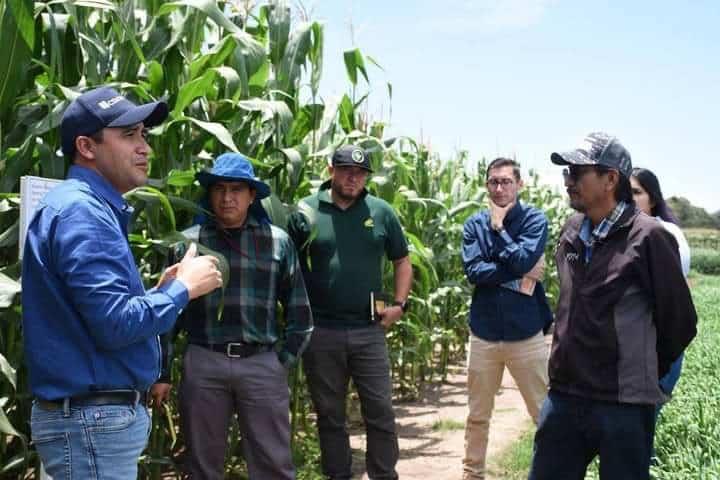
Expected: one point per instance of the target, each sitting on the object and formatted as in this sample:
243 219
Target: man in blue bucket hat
237 360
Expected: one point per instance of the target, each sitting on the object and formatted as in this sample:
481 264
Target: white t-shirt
683 246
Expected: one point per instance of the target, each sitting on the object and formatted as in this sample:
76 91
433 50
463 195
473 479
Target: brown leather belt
101 397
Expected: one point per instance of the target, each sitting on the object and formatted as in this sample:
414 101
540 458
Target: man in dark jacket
624 315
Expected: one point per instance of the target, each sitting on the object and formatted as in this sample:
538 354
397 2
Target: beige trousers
527 361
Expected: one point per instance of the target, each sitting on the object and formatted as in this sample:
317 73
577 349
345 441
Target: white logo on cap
105 104
357 156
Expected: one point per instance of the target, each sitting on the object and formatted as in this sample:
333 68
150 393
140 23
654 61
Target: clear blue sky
527 77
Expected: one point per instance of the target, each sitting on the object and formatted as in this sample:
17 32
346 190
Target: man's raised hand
200 275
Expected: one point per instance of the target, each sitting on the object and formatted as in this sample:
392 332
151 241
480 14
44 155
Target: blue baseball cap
101 108
233 167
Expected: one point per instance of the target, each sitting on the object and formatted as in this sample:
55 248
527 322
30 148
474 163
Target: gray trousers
213 387
331 359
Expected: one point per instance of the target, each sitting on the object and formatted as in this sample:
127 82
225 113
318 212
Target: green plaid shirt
264 270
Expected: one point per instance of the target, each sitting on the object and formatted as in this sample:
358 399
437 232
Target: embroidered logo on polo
357 156
369 223
105 104
572 257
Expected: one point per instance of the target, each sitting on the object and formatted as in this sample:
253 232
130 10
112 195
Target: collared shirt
264 270
88 323
623 317
589 236
491 259
342 253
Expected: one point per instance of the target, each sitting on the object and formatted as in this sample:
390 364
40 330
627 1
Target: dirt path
432 452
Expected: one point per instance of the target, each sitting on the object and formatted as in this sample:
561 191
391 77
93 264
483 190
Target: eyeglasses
574 172
495 182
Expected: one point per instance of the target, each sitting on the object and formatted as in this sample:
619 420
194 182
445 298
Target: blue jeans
573 430
90 443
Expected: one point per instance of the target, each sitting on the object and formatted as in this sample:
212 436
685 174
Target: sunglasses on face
575 172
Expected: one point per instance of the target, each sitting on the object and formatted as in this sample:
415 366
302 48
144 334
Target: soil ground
431 429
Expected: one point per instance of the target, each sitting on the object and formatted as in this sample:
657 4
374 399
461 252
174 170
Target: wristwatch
403 305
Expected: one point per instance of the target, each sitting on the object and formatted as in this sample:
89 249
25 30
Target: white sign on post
32 190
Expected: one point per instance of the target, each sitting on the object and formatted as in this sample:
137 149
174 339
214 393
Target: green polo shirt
341 254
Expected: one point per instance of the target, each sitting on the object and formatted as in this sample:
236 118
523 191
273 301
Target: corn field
237 77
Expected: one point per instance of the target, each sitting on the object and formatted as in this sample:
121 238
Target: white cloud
484 16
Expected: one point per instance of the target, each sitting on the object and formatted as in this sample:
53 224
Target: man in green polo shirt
342 234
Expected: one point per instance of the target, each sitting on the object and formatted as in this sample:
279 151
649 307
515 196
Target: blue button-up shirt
88 323
491 259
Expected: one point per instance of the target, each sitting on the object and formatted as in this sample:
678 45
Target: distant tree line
691 216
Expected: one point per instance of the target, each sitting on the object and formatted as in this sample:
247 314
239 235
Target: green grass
687 441
706 260
702 237
514 462
688 435
447 425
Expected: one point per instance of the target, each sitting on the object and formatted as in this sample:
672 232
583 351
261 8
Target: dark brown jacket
623 317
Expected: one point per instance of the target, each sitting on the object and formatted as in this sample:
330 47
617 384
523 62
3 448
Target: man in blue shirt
90 327
502 254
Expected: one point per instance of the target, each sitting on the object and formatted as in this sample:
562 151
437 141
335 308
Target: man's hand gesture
200 275
497 214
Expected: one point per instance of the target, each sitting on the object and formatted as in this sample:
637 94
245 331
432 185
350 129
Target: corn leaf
8 371
16 38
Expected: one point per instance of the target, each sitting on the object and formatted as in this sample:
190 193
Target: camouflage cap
351 155
597 148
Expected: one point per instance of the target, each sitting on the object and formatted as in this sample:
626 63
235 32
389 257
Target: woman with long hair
649 199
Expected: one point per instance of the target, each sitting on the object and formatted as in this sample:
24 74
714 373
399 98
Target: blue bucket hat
233 167
101 108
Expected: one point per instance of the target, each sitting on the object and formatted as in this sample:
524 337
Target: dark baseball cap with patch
598 148
105 107
351 155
